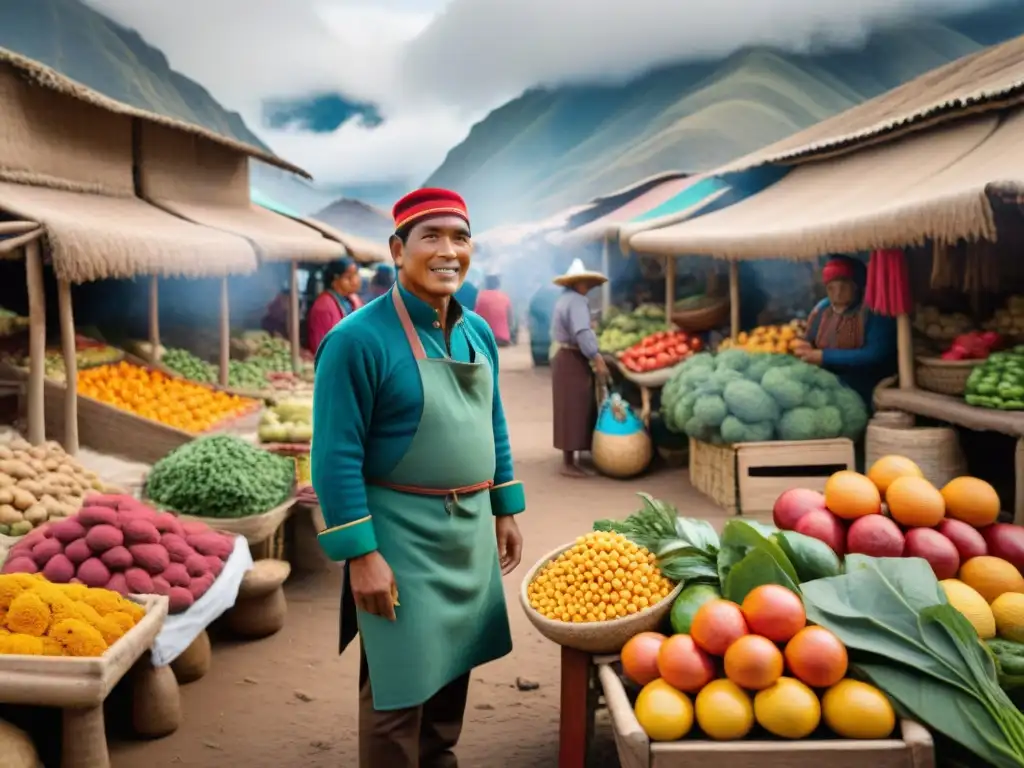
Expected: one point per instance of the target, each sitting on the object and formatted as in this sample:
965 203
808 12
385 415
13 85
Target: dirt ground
290 700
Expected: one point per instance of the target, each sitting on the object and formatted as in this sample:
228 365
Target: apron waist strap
419 490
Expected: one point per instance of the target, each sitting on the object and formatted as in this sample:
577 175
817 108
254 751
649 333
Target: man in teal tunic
412 466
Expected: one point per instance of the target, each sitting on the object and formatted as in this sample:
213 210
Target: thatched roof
362 249
46 77
932 185
991 79
357 217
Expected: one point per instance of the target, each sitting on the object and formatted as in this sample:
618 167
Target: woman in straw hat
572 378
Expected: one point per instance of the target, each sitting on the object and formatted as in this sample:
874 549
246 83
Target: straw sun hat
579 273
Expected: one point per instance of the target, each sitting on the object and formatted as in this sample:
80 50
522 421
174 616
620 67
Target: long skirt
575 407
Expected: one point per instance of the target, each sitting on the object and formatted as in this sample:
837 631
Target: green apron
434 526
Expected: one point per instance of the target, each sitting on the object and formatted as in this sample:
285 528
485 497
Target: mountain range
550 147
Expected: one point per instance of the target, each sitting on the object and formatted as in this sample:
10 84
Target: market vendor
844 337
572 377
411 463
495 307
275 319
339 299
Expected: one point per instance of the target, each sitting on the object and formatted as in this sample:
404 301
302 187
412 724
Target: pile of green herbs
891 613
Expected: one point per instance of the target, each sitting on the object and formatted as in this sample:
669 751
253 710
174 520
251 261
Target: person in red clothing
494 306
339 300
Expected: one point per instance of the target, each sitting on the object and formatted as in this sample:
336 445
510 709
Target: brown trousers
417 737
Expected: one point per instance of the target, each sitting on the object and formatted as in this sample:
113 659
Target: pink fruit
794 504
876 536
932 546
823 526
1006 541
966 538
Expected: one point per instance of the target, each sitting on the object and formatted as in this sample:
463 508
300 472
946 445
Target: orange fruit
971 500
683 665
850 495
774 611
991 577
817 657
753 662
664 713
639 657
915 503
717 625
888 468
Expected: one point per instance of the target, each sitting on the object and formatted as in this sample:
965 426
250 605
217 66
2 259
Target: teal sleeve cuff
344 542
508 498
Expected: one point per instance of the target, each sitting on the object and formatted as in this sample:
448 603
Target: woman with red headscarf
844 337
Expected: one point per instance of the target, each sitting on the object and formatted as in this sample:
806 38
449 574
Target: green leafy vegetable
812 559
756 569
902 634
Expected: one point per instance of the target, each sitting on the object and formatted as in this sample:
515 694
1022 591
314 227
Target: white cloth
181 629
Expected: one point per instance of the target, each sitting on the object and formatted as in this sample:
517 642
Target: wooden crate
747 478
910 747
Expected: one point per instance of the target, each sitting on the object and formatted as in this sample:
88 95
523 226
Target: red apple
822 525
1005 540
794 504
966 538
876 536
932 546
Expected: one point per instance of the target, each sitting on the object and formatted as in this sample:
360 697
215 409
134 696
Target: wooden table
579 701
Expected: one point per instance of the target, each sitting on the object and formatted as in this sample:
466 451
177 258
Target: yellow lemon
972 605
1008 611
664 713
724 711
788 709
856 710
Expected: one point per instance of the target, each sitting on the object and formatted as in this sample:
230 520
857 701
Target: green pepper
986 388
1013 405
1010 390
982 401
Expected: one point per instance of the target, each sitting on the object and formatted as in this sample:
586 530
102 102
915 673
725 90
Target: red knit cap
837 269
428 202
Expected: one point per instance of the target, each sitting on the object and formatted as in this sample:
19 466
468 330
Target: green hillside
557 147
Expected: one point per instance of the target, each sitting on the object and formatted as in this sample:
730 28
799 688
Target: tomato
696 344
682 336
662 359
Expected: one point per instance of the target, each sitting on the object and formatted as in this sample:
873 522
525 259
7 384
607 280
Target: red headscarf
837 269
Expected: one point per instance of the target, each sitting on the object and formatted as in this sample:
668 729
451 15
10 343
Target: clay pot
16 748
260 608
194 663
156 700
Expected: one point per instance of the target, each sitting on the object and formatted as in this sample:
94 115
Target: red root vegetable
176 575
139 582
102 537
59 569
139 531
78 551
181 599
211 543
118 583
66 531
93 573
108 500
160 586
201 585
44 550
196 565
20 565
153 558
167 523
90 516
192 527
215 564
178 550
117 558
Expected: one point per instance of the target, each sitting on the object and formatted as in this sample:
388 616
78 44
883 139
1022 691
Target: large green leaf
739 538
812 559
758 567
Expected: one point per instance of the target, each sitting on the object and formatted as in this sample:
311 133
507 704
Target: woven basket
707 318
621 456
936 450
894 419
594 637
944 377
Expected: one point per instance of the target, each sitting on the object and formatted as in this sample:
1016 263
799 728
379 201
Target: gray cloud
478 48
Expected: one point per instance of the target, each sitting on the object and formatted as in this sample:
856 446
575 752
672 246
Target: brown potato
9 515
22 498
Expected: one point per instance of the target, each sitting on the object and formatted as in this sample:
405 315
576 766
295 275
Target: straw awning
991 79
927 186
208 183
66 164
510 235
609 224
361 249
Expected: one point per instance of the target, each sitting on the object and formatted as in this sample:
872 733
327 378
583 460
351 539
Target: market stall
795 642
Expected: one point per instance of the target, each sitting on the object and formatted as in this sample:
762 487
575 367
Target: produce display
940 327
622 330
39 484
11 322
998 382
189 366
1009 320
774 628
781 339
662 349
41 618
220 476
122 545
738 396
602 577
270 353
290 421
154 395
89 353
267 366
754 644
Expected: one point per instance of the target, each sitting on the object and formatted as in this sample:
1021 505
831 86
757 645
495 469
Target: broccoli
830 422
749 402
798 424
710 410
781 385
854 413
735 431
737 359
818 398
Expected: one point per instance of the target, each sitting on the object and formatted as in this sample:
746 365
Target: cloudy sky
435 67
